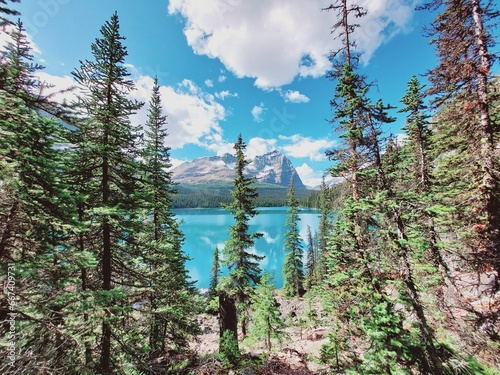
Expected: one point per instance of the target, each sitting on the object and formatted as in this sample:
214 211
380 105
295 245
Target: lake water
205 229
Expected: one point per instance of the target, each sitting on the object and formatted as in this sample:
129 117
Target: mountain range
272 168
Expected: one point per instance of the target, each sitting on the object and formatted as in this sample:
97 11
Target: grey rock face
273 168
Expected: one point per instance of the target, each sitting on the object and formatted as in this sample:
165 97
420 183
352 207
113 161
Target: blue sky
237 66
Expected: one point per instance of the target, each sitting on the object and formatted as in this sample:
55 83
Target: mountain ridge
272 167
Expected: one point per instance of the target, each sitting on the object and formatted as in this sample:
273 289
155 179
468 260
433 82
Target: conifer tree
311 261
108 143
359 253
293 273
417 129
267 323
462 37
243 266
214 275
170 290
323 229
35 210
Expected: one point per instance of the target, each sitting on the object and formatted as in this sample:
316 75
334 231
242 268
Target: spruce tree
170 291
108 143
463 38
311 259
324 229
359 253
215 273
417 129
243 266
267 323
35 213
293 273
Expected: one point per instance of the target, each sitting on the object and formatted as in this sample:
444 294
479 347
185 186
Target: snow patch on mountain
273 168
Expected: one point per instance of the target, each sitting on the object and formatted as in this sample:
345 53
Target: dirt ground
301 351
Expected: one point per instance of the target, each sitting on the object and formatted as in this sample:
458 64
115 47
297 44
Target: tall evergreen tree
170 291
35 212
463 39
214 275
326 210
293 273
243 266
311 259
359 254
108 143
417 129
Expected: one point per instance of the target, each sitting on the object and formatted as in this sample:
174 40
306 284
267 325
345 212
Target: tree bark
228 319
487 151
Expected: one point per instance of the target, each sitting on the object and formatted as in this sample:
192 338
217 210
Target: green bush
229 354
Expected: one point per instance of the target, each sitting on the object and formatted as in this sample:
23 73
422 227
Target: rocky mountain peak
273 168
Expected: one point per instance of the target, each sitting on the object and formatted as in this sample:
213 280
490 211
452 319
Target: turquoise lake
205 229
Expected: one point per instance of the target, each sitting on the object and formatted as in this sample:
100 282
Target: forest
406 263
213 194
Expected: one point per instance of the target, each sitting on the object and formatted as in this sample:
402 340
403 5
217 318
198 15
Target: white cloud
295 97
277 40
60 90
313 179
257 112
306 147
215 142
268 238
309 176
222 78
209 83
176 162
193 115
401 138
5 38
225 94
259 146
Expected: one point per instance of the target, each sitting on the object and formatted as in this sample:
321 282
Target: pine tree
293 273
267 323
35 213
243 266
361 245
311 261
214 276
417 129
108 143
171 319
462 38
324 229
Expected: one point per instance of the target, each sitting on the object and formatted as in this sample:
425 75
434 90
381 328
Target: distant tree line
215 194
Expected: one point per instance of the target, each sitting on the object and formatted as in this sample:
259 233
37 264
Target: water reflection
205 229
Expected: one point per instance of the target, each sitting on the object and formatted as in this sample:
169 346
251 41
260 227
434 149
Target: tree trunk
490 184
106 349
7 228
83 277
228 319
269 328
106 268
